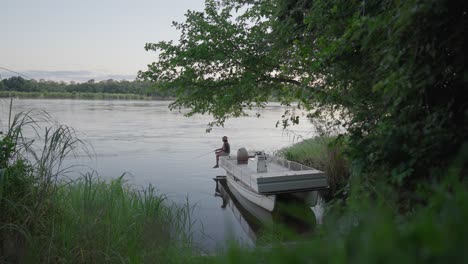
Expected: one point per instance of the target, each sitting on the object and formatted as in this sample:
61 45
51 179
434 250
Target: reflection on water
253 219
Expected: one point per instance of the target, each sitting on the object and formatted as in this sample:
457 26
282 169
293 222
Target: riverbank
77 95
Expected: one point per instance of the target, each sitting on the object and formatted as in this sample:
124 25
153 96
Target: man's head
225 139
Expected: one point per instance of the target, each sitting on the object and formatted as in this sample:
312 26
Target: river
153 145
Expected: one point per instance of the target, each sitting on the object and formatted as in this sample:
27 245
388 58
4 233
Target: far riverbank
77 95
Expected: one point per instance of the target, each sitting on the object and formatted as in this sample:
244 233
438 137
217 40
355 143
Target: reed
99 221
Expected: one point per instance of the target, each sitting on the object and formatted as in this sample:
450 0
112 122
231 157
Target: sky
78 40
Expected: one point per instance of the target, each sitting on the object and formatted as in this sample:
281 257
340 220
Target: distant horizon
81 40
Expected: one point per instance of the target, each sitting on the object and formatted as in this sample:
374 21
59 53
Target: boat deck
273 168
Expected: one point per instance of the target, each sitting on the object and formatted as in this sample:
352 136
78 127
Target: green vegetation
99 221
48 219
108 89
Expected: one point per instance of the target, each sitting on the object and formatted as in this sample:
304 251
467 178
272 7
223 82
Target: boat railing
291 165
244 174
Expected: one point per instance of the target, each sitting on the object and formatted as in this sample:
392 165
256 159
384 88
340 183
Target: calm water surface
156 146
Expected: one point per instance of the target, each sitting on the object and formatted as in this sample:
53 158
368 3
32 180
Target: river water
153 145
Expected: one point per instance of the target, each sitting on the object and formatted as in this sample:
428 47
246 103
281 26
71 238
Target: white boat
264 179
250 216
253 218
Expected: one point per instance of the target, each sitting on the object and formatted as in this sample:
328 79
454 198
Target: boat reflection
253 219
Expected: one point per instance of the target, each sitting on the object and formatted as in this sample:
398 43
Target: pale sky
83 39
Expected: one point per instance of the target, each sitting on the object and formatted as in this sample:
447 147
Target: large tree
394 70
226 60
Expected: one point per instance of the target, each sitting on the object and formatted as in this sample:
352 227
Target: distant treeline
75 95
19 86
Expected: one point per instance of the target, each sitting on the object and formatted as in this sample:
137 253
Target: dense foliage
393 71
19 84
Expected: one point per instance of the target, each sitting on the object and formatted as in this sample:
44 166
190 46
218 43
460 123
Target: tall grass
28 177
46 219
110 222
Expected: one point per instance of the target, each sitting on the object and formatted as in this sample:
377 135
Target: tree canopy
394 70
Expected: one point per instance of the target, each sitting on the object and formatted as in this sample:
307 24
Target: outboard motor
242 156
261 161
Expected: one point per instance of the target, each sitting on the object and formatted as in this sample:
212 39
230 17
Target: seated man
223 151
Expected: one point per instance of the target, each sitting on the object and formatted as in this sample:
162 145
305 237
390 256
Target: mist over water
153 145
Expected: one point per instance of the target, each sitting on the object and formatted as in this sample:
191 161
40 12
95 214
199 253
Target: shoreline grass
91 220
108 222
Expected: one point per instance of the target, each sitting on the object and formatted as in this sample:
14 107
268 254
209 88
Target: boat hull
267 202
